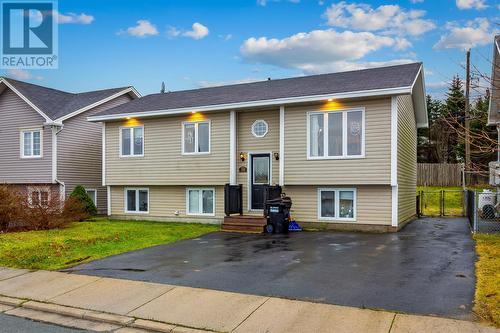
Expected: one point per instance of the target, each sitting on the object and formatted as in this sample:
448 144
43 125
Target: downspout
56 129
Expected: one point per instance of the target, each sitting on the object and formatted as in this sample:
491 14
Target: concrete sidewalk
105 304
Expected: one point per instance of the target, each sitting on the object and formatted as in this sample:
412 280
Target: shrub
44 216
81 195
75 210
10 206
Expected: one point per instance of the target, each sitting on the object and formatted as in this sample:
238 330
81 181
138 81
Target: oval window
259 128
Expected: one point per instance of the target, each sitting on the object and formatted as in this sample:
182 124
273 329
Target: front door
260 172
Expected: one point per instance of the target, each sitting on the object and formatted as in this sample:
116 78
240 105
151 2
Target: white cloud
402 44
72 18
469 4
416 1
436 85
226 37
474 33
21 74
143 28
390 19
319 50
206 84
198 31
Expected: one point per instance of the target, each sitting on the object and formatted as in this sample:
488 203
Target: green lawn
487 300
86 241
452 199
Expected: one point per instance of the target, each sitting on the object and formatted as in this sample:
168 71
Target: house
342 146
48 147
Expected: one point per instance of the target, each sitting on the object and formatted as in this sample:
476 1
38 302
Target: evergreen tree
81 195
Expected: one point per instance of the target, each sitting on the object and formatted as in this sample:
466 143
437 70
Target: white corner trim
232 147
268 102
24 98
108 193
103 157
100 102
54 154
394 141
281 181
394 200
394 161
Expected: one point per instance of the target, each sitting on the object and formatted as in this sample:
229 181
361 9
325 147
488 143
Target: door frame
250 176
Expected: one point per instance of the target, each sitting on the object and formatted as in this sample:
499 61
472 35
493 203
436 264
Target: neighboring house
48 147
494 110
342 146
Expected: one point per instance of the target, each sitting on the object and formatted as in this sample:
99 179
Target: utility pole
467 120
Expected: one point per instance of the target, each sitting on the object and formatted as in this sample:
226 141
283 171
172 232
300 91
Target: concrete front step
244 223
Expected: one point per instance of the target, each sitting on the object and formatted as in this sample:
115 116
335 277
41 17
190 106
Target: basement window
200 201
137 200
337 204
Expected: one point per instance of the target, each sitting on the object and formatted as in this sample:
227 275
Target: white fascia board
269 102
422 102
24 98
100 102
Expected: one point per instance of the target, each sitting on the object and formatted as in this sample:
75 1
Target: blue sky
190 44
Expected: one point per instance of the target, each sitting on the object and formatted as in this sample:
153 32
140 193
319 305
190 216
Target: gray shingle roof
360 80
56 103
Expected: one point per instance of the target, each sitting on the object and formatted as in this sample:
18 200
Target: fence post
474 206
441 203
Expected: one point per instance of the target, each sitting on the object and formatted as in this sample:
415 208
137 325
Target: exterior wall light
243 156
276 156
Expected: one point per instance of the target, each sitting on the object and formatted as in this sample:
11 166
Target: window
132 141
39 198
137 200
336 134
260 128
31 144
196 137
93 195
200 201
337 204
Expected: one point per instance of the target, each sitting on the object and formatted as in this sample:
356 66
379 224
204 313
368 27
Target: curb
96 316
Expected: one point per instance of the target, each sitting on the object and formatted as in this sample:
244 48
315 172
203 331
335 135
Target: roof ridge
9 79
289 78
101 90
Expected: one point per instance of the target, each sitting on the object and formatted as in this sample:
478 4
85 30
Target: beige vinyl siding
247 142
373 203
374 169
407 159
17 115
164 201
163 162
79 152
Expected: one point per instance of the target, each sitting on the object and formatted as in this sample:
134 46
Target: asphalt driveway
428 268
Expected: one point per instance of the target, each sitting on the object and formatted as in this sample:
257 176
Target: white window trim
200 201
95 191
196 123
40 130
259 121
132 141
344 155
39 190
337 204
136 189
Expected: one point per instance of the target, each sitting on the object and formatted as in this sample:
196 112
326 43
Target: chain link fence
441 203
483 210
